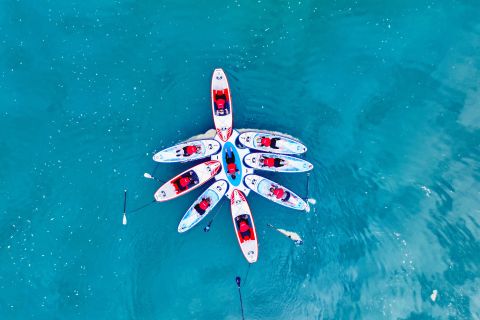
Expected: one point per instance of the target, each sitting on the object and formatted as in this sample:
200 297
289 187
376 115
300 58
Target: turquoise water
385 95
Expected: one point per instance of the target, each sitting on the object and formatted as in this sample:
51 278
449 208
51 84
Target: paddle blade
147 175
237 280
124 220
312 201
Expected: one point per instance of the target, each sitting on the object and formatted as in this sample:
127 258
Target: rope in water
143 206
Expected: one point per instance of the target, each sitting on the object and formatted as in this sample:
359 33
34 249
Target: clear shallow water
385 96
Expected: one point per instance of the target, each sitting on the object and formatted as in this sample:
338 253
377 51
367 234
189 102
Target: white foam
209 134
434 295
428 192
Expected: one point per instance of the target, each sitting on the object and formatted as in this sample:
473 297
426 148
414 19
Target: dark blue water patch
238 177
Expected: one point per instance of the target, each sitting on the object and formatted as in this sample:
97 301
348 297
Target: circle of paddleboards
275 192
277 162
187 181
221 105
188 151
244 226
197 210
271 143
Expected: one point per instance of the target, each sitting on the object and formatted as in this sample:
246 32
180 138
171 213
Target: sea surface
385 94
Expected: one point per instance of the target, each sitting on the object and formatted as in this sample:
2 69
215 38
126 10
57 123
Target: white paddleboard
241 211
178 153
200 174
221 105
262 186
279 144
213 194
289 163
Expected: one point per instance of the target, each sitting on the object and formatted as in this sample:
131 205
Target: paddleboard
193 215
198 174
263 186
221 105
288 163
241 212
278 143
178 153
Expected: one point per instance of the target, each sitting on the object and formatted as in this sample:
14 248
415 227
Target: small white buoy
433 296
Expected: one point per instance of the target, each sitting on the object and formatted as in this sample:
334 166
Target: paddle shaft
207 228
124 201
308 185
271 226
158 180
268 224
238 281
241 302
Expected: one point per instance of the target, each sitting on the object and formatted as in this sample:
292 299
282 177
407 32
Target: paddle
295 237
149 176
207 227
238 280
124 221
308 185
307 199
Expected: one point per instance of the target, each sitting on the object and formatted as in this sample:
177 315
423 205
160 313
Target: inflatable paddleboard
196 213
196 175
221 105
283 163
266 188
241 213
277 143
182 152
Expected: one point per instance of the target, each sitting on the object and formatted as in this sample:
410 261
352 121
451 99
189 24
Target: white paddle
295 237
149 176
124 221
